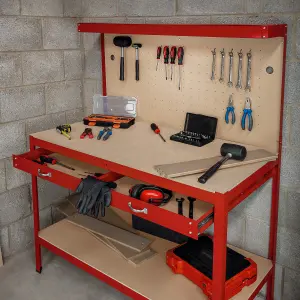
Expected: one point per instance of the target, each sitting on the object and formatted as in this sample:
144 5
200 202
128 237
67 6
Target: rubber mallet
137 46
123 42
228 151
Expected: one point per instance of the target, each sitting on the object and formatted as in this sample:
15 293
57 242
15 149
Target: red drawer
166 216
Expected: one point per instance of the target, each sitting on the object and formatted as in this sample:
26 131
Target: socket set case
105 121
194 260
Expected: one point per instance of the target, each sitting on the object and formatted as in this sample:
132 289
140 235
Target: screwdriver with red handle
166 59
173 58
155 128
53 161
158 55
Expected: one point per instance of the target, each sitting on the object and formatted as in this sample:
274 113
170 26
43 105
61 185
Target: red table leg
220 247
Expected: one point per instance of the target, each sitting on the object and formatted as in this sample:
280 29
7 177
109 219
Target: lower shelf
153 279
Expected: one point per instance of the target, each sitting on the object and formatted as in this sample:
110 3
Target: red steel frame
223 203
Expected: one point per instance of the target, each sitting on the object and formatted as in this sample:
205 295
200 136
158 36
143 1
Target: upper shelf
227 31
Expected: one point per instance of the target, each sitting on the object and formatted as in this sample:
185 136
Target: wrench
230 84
213 65
239 81
222 65
248 81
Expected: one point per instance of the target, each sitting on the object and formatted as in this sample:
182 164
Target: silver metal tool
222 65
248 80
240 68
230 84
213 69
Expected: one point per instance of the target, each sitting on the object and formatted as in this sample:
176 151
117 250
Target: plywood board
202 165
116 234
146 150
142 279
160 101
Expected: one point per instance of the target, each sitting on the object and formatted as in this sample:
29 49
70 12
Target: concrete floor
59 281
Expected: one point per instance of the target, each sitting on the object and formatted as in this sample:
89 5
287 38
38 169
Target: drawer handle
138 211
44 174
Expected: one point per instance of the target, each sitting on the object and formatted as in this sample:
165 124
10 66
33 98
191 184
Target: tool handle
173 54
137 70
47 159
180 54
122 68
166 54
155 128
211 171
158 54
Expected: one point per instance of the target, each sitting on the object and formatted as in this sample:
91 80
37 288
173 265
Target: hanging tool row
247 112
170 57
239 81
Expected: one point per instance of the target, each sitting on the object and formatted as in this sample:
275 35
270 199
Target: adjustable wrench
213 71
222 65
239 81
230 84
248 81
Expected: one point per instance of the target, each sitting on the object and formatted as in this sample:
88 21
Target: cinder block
92 66
39 124
58 119
20 34
11 70
15 204
2 176
292 87
289 211
257 236
146 8
22 103
72 8
99 8
62 96
236 230
91 87
91 41
291 287
73 64
50 193
42 67
10 7
281 6
298 39
295 125
75 115
42 8
253 6
179 20
4 242
88 111
288 248
15 145
207 7
60 33
15 177
290 166
257 20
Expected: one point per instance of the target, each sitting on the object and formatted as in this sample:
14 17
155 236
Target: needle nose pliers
230 111
247 112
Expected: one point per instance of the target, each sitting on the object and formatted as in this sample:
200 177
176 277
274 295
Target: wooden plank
116 234
202 165
153 278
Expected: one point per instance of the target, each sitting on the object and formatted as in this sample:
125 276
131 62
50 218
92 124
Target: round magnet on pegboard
270 70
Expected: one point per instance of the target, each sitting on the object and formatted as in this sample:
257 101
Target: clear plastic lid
115 105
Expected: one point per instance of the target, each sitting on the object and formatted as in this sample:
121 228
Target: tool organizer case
194 260
105 120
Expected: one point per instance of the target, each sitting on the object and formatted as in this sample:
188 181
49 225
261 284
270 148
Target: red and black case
194 260
108 121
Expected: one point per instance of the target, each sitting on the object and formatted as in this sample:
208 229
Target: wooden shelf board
153 279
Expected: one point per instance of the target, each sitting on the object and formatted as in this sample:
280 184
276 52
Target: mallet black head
238 152
122 41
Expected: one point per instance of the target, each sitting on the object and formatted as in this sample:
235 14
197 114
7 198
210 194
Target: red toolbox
194 260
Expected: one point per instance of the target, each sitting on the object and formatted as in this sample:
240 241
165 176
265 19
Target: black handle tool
137 46
180 205
191 207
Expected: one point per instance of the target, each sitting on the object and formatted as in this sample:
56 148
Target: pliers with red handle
87 132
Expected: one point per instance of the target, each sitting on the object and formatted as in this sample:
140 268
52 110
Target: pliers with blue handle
106 133
247 112
230 111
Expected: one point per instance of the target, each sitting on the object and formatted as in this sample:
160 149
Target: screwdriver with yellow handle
155 128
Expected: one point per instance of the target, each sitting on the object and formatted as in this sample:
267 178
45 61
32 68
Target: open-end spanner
240 67
213 68
230 84
248 81
222 65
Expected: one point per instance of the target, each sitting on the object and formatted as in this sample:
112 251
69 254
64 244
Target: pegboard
160 100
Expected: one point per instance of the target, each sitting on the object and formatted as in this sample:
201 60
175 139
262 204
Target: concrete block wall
49 74
41 86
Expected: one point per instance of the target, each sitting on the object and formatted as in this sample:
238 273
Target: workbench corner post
220 248
36 215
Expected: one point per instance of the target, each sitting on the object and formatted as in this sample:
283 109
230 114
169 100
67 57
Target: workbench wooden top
138 147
